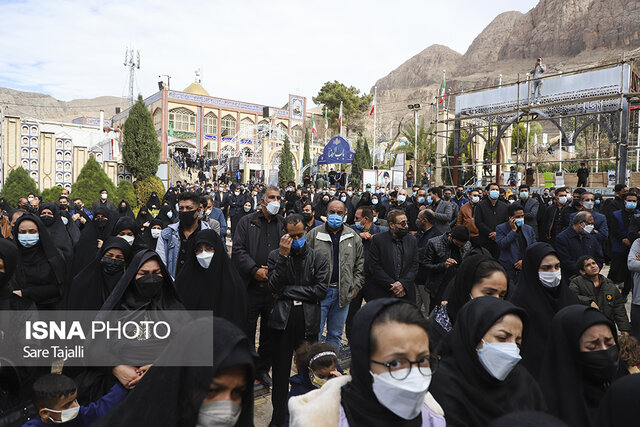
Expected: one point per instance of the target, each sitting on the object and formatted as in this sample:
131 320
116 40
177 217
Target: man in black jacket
299 280
256 236
392 262
489 213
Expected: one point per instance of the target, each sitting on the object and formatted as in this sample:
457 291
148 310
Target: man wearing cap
440 260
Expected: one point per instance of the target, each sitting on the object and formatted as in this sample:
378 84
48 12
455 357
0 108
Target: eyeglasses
399 369
403 223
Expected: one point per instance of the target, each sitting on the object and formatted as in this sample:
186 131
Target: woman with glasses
480 378
391 369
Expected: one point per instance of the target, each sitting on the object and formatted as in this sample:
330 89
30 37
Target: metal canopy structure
569 103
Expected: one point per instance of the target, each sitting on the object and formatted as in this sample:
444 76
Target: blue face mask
524 194
421 200
597 201
630 205
429 200
494 194
358 226
334 221
28 240
296 245
519 222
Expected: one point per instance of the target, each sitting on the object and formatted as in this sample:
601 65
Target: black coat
488 217
380 267
302 276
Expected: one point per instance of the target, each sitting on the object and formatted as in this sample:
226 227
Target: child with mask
55 399
316 364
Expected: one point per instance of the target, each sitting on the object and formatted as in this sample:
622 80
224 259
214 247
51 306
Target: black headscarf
146 236
218 288
92 286
360 404
143 216
172 396
154 201
365 200
58 231
9 254
128 223
124 211
163 215
619 407
41 269
468 394
4 206
570 395
125 298
540 302
171 196
87 247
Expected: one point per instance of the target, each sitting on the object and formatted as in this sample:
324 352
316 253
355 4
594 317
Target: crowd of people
410 307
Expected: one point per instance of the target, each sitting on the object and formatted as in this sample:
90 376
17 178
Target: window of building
296 133
246 123
210 124
284 130
182 120
157 119
228 126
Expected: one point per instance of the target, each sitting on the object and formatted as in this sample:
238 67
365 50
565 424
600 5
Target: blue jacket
86 211
216 213
599 223
570 246
168 245
507 241
89 414
300 384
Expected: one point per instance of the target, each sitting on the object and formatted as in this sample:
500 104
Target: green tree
353 103
519 135
464 160
359 159
144 188
306 156
128 193
90 181
51 195
285 171
368 159
18 184
141 150
426 146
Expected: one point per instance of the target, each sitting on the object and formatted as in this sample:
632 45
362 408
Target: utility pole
132 62
375 114
415 108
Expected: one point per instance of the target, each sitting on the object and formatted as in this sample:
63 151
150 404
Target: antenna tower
132 62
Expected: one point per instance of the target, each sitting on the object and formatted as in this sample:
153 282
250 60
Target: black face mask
401 232
122 209
325 201
101 223
419 225
307 216
187 218
111 265
47 220
459 193
602 365
64 207
446 197
32 209
77 208
149 285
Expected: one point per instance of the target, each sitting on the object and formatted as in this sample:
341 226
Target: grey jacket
351 275
443 213
537 70
168 245
634 267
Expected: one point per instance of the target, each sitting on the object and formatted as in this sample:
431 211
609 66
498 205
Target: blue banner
337 150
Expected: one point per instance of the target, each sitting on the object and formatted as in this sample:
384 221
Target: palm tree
426 144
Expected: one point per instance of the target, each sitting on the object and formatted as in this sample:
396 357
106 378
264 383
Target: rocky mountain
41 106
568 34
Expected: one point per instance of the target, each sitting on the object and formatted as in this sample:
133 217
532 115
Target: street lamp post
415 108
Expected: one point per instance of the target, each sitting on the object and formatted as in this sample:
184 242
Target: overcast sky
255 51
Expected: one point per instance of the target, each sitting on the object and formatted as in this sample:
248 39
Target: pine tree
91 180
141 150
127 193
306 156
51 195
18 184
285 172
368 163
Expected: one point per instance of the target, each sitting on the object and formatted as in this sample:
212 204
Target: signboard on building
296 107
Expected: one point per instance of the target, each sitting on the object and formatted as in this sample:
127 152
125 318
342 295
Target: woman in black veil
185 396
93 236
154 201
125 210
50 217
209 281
167 214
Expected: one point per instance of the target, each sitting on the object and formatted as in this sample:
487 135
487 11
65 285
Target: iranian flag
373 107
340 117
313 126
443 93
326 120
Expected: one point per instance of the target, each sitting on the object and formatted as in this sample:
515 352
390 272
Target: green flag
170 129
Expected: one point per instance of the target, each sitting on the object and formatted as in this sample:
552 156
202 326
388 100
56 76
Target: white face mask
499 358
208 212
588 205
155 232
332 193
402 397
562 200
401 198
588 228
128 239
65 415
273 207
375 219
204 258
64 219
30 199
169 214
104 196
550 279
475 199
218 413
247 208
